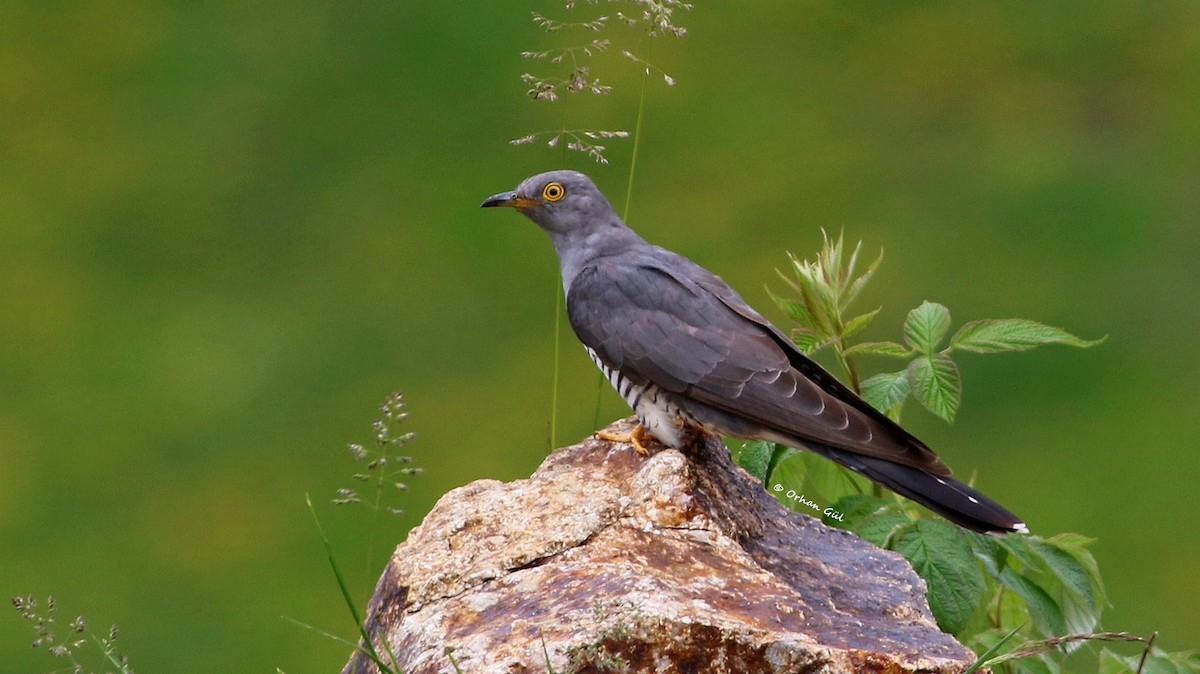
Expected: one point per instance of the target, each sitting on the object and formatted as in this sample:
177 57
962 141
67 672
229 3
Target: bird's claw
637 438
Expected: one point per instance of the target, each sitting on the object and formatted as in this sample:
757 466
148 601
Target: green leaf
988 551
1159 662
872 518
1066 568
1013 334
882 529
812 284
831 482
1041 664
754 457
808 341
857 285
1111 663
886 390
926 325
1076 546
936 384
778 453
940 554
788 474
858 505
1070 583
796 310
858 323
1046 614
817 479
857 509
996 641
879 349
1067 574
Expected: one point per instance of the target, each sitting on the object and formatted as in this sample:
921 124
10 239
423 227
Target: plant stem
368 647
848 366
637 140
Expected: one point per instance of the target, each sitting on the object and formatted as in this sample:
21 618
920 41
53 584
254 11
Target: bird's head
561 202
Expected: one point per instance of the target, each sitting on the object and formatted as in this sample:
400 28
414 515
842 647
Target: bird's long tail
945 496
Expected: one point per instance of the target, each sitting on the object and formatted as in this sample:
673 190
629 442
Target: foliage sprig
826 287
1043 593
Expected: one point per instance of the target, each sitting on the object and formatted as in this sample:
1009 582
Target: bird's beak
509 199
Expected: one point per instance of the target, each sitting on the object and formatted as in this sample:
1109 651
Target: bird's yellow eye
553 191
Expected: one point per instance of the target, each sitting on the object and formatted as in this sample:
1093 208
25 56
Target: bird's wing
681 328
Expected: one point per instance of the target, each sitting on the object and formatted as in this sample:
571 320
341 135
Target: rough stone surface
607 561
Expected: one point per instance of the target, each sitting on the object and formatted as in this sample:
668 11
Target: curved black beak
509 199
502 199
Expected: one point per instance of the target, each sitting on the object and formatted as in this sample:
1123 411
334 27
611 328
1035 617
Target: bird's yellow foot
638 438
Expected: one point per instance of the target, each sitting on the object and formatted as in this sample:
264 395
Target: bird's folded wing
685 331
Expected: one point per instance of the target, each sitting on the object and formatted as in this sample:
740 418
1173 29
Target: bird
689 355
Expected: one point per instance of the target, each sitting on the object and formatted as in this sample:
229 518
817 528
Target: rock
607 561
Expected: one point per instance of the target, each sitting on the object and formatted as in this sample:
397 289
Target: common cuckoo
686 352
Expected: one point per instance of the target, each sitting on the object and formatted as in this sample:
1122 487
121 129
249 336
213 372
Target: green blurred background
230 229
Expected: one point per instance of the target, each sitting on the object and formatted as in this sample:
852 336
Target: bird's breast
654 407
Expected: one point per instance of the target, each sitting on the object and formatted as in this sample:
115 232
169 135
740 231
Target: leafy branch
825 289
985 590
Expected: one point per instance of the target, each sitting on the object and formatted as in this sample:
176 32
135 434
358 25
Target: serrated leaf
754 457
882 529
1066 573
1045 612
808 341
1076 546
1018 547
1067 580
940 554
886 390
936 384
858 323
856 505
795 310
1068 569
989 551
891 349
859 509
1013 334
858 284
926 325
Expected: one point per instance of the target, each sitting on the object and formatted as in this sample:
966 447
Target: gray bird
686 353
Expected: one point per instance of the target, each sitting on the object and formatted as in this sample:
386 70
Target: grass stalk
368 647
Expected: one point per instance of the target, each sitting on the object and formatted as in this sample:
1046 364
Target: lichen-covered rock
607 561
